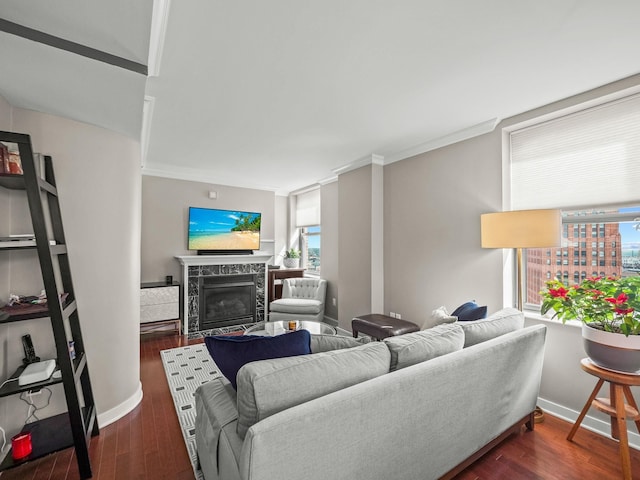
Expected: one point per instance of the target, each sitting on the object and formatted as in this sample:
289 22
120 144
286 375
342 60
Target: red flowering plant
611 304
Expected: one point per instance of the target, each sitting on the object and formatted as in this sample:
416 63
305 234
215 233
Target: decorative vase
612 351
291 262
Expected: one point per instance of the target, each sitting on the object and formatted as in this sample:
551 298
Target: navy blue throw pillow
470 311
231 352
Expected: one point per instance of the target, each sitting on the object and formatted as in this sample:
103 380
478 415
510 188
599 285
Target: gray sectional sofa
419 406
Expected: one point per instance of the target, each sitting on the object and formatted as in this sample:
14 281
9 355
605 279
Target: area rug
187 368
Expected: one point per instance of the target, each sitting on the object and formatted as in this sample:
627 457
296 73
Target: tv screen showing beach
223 230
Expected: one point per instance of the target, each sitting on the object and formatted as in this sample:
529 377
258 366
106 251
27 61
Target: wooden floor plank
147 443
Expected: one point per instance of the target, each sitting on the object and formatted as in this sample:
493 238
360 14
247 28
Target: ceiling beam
72 47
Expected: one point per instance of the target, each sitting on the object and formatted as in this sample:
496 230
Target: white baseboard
590 423
119 411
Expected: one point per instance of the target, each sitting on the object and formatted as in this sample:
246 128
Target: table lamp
521 229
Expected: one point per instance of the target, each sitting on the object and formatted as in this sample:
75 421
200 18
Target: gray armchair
302 299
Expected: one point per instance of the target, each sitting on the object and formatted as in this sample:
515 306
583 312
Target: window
560 163
623 231
308 221
311 249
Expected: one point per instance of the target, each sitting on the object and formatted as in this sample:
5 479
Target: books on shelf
4 158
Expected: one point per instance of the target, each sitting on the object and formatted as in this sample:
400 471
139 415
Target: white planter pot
612 351
291 262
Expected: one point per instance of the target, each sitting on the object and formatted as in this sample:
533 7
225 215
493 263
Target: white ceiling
278 94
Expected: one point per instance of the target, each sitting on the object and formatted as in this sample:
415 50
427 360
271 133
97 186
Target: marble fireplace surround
196 266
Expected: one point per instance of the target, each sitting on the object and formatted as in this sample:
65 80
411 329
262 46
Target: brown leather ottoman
381 326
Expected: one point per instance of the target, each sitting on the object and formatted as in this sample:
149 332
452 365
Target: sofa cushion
499 323
412 348
270 386
470 311
325 343
296 305
232 352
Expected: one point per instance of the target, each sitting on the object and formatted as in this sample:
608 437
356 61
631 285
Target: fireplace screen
227 300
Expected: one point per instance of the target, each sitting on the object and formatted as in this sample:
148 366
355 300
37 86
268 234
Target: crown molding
368 160
308 188
328 180
159 21
147 117
455 137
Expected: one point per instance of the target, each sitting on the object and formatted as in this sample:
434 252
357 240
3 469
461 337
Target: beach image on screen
223 230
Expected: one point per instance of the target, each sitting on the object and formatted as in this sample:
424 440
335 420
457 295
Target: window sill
533 315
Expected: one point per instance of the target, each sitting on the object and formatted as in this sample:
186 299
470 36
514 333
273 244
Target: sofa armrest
217 442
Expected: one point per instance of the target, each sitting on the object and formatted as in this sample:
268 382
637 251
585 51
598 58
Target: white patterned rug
187 368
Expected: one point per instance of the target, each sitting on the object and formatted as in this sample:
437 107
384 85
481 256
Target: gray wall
98 176
432 213
165 216
330 251
354 244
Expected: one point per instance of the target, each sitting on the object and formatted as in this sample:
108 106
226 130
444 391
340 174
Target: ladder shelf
76 426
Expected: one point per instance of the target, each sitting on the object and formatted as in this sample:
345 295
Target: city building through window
310 248
621 239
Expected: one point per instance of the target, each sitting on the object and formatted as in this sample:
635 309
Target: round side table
614 406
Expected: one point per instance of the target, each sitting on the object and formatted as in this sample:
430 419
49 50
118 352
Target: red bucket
21 445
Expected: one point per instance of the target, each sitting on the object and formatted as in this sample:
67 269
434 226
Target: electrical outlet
333 301
392 314
33 393
398 316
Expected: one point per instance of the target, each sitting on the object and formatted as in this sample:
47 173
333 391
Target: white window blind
308 208
587 158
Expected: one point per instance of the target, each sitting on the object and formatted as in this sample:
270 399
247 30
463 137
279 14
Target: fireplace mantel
196 266
191 260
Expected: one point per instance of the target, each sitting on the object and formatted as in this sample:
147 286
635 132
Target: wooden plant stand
614 406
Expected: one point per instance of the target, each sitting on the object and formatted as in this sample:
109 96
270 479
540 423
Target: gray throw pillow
504 321
412 348
326 343
270 386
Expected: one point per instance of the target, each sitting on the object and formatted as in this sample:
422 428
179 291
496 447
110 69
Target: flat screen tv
213 231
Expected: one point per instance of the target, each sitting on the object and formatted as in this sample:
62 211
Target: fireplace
222 283
227 300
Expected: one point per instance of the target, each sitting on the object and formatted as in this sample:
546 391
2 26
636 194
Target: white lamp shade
521 229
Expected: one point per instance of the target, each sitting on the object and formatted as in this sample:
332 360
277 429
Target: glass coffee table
279 327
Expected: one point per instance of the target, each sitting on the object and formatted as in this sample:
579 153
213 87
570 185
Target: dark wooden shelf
18 313
13 388
16 246
12 181
48 435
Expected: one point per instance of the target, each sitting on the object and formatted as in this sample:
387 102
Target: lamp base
538 415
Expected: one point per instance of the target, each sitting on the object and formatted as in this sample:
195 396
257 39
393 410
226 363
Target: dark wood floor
147 443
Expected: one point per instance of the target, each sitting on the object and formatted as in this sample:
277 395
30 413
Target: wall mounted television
214 232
